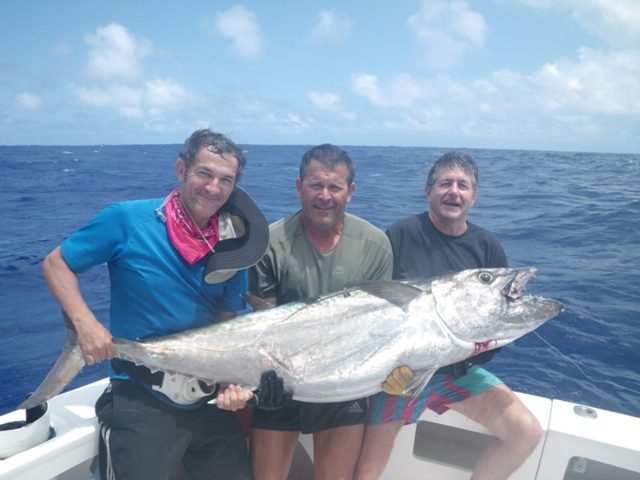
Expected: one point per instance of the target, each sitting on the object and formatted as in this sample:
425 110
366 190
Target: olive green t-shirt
292 269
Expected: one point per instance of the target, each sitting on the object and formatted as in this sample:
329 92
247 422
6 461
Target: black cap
233 254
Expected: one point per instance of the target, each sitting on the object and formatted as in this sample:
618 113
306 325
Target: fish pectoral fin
419 382
399 294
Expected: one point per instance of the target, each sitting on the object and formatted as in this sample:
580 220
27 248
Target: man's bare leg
376 449
516 428
336 451
271 453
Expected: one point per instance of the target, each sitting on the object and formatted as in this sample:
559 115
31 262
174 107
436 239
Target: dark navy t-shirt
421 251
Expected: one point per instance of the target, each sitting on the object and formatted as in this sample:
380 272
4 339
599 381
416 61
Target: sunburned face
324 194
450 198
207 184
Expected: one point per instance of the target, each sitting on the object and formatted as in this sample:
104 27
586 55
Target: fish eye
485 277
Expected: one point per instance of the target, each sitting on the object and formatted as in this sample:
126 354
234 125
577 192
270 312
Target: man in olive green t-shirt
318 250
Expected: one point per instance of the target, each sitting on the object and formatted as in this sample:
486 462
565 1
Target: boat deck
580 443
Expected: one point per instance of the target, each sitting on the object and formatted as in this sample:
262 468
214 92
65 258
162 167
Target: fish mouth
514 287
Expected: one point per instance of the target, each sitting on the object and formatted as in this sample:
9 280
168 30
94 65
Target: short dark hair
217 143
451 160
330 156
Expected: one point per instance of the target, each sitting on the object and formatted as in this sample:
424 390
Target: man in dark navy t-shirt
434 243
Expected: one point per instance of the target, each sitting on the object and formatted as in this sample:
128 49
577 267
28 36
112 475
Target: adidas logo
355 408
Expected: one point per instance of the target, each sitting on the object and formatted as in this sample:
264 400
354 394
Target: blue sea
574 216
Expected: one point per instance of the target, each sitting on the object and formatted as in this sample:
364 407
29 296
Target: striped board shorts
443 389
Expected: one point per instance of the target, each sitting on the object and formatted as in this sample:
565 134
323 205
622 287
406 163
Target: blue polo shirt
154 292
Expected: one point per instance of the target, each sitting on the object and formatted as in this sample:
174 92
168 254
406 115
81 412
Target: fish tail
69 363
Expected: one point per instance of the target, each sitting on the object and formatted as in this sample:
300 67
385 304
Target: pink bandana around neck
185 236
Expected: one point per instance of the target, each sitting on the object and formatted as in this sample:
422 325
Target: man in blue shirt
157 252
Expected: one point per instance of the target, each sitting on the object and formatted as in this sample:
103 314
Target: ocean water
574 216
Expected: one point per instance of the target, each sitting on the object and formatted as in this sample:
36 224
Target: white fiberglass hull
579 443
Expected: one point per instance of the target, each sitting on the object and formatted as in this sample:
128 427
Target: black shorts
142 438
307 417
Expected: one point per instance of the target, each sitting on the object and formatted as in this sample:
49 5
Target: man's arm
224 316
95 340
265 303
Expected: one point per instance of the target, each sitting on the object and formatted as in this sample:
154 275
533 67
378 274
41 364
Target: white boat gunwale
578 440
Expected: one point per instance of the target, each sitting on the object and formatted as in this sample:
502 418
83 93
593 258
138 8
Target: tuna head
486 306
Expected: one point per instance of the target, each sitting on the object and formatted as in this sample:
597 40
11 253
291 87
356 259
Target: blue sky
517 74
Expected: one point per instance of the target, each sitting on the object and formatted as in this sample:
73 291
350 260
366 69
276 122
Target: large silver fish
342 346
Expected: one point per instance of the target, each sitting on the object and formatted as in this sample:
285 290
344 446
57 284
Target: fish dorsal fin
257 303
400 294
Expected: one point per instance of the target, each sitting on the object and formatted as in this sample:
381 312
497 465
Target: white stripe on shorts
105 432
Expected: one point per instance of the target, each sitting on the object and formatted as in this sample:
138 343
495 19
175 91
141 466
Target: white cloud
615 21
331 28
125 99
165 93
367 85
324 100
619 21
297 122
241 26
466 23
446 31
28 101
595 95
599 83
331 103
123 84
148 100
115 54
402 91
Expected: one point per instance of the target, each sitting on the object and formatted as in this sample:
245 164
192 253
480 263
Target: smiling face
324 193
450 197
207 184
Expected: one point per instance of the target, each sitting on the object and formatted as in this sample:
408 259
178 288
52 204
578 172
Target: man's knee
376 450
532 430
524 430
